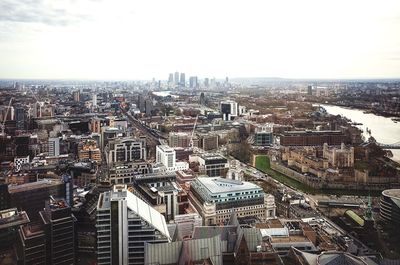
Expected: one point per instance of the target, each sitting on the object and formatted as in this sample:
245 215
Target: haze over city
199 132
99 39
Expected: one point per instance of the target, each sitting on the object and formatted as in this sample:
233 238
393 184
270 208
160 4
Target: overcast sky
127 39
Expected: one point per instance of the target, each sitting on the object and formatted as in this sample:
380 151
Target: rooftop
218 185
11 217
393 193
44 183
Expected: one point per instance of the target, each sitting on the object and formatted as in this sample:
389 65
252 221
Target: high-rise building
149 107
206 82
125 223
77 95
176 78
309 90
54 146
31 244
193 82
390 206
59 226
94 100
20 117
171 79
182 80
202 100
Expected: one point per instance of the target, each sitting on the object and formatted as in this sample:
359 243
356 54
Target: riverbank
263 164
383 129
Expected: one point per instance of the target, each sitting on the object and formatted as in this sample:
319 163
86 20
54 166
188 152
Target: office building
20 117
31 247
206 82
76 95
124 150
94 100
59 226
309 90
176 78
229 109
179 139
54 146
30 197
182 80
213 165
217 198
312 138
171 79
263 136
125 223
193 82
149 107
95 125
208 141
4 197
167 157
10 220
108 133
88 150
390 206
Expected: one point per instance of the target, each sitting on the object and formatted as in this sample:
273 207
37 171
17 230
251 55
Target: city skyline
137 41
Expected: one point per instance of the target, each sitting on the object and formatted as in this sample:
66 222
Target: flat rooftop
11 217
34 185
393 193
219 185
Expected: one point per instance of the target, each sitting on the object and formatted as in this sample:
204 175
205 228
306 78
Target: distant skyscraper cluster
179 80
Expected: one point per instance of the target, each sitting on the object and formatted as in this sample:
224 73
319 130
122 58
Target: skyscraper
182 81
176 80
59 227
125 224
206 82
171 79
193 82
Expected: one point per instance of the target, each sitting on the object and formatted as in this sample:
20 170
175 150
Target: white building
229 109
167 156
54 146
217 198
19 161
124 225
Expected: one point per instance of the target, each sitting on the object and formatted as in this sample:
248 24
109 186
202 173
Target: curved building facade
390 206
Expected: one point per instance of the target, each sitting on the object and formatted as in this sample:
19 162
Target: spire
368 211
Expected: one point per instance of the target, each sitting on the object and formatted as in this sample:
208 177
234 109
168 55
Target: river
383 129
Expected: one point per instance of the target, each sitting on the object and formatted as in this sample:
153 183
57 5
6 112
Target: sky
129 39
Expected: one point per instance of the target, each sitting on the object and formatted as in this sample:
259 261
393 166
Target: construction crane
191 137
3 123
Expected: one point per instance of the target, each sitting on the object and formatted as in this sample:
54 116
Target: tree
241 151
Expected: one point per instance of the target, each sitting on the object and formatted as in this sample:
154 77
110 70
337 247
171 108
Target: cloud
39 11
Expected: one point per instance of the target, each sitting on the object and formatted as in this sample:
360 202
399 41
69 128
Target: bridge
390 146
